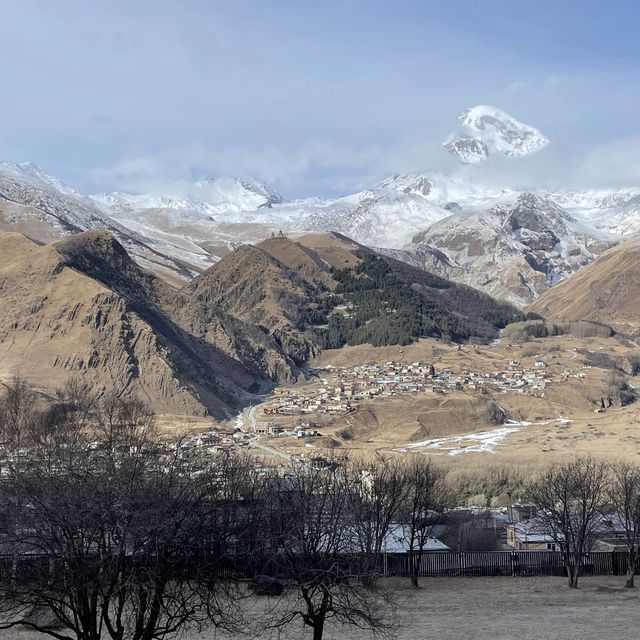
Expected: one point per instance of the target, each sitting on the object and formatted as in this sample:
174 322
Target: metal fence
431 564
504 563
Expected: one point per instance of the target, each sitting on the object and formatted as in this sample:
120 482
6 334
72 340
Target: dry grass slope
608 291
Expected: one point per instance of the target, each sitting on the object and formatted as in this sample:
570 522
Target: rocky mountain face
514 251
254 287
82 306
58 323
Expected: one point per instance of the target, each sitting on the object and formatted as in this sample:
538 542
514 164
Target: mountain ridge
180 239
82 306
607 290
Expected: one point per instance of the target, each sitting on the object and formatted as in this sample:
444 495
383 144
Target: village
300 411
342 388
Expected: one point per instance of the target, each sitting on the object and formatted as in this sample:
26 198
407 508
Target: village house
531 535
534 534
522 512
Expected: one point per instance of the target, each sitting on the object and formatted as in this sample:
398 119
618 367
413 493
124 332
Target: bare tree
427 498
624 498
66 422
17 411
126 546
382 489
571 498
314 543
126 425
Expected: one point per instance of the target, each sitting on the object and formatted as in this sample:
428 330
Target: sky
314 98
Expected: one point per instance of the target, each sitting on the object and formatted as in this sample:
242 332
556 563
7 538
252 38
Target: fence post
614 563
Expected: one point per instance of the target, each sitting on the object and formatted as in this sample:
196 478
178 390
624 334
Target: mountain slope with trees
82 306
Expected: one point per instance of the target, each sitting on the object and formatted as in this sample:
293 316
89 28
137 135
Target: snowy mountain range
511 243
205 197
514 250
43 208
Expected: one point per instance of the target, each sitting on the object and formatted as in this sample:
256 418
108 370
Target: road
247 420
252 417
255 443
249 426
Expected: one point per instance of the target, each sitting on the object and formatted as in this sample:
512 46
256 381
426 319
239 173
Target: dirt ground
503 609
492 608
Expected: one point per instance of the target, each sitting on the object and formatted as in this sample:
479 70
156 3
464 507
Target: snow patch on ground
478 442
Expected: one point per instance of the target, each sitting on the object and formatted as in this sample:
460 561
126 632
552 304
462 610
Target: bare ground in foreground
504 609
492 608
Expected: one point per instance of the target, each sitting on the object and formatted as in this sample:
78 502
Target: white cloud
284 168
615 163
329 168
318 99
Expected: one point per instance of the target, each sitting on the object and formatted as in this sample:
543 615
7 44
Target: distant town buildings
342 388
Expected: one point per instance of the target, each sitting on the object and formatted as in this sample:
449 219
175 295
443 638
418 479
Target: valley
455 373
319 320
406 317
471 396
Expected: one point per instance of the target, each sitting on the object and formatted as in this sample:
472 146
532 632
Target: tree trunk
414 580
415 569
318 629
572 574
631 573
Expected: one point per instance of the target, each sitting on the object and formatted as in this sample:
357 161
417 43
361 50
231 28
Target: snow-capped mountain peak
244 193
410 183
31 173
486 131
208 197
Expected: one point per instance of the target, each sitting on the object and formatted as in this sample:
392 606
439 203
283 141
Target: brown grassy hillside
608 290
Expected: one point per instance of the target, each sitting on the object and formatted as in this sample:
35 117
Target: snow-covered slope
515 250
510 244
43 208
215 215
485 131
31 173
388 214
204 198
608 211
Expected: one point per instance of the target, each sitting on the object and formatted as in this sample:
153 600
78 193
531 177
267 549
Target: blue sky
313 97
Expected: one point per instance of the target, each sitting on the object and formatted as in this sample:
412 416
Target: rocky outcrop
514 251
81 306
